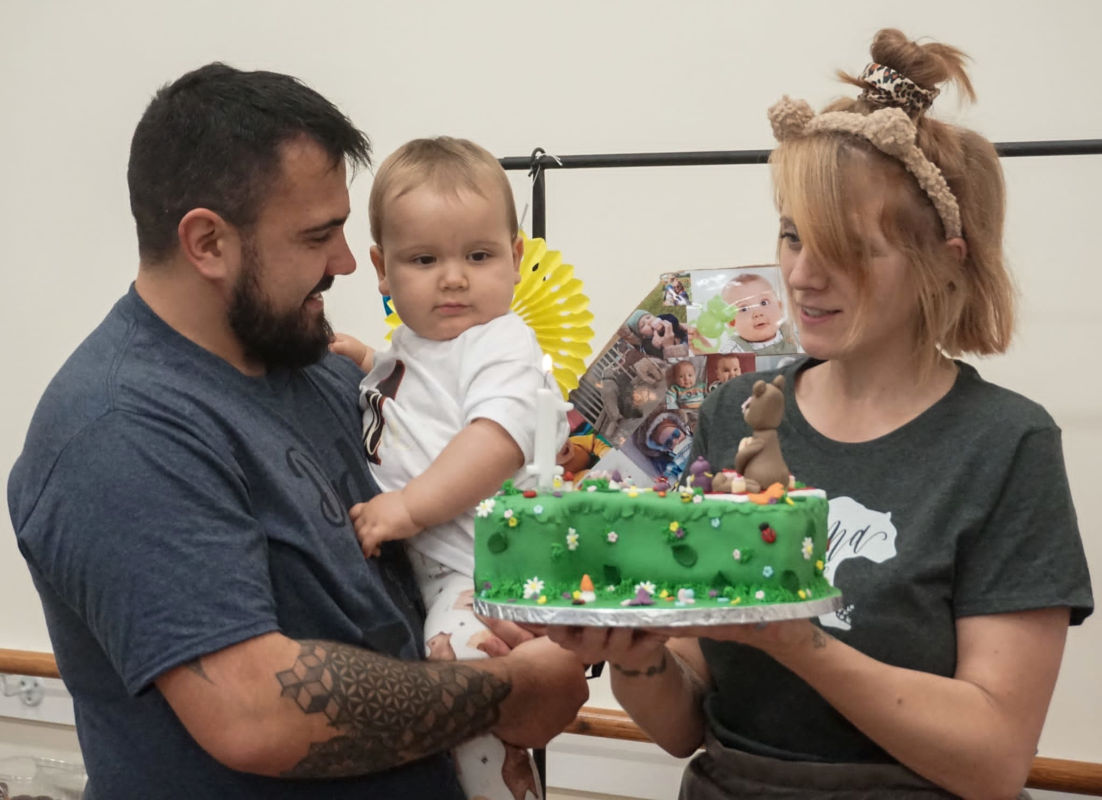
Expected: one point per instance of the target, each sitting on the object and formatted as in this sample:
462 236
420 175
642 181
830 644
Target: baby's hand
382 519
344 345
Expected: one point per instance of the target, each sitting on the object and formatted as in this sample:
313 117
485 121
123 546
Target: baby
684 390
759 325
449 409
726 366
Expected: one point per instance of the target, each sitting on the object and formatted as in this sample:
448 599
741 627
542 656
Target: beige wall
574 76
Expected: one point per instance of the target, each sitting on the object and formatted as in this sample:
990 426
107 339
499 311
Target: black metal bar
1064 147
540 161
539 210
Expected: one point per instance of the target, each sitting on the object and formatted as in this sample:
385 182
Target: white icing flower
537 509
532 588
808 546
736 554
485 507
508 513
646 586
767 572
715 522
759 594
612 537
572 540
698 498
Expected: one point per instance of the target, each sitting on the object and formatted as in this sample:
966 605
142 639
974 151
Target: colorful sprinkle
529 493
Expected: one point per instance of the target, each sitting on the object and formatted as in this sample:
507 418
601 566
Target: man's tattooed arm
386 712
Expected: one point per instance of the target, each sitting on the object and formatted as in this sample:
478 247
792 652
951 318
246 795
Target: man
182 496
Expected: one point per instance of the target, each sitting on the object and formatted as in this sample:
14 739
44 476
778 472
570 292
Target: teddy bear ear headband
889 129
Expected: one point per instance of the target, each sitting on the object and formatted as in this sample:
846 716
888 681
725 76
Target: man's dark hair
212 140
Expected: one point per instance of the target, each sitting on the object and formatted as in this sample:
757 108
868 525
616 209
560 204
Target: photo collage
640 397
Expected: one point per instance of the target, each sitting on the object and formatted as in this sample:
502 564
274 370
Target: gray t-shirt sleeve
1028 553
152 503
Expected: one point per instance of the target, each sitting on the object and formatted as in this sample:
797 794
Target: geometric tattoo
388 712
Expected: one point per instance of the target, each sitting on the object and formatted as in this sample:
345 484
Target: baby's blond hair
445 163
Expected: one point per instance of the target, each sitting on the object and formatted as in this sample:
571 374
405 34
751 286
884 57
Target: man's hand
548 688
383 518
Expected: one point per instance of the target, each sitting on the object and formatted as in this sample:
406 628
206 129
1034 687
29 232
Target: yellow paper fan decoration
550 299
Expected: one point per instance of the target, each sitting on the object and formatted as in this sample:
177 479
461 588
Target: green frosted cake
602 553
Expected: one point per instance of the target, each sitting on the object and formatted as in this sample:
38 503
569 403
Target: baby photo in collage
690 334
741 310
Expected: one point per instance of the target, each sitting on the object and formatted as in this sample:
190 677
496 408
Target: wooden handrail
1053 774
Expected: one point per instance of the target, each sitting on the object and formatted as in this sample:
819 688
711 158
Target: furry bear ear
759 389
789 117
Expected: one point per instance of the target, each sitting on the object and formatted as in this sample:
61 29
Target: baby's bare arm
472 467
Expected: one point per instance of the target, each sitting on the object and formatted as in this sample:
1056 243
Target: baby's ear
518 255
379 262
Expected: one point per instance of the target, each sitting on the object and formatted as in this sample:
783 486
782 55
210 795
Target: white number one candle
547 412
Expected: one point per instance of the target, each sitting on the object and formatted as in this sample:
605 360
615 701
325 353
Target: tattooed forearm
388 712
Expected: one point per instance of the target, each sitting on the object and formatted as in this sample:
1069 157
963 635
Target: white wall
573 76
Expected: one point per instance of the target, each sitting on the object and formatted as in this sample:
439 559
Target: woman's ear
958 247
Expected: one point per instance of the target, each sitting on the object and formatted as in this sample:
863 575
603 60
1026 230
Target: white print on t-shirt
854 531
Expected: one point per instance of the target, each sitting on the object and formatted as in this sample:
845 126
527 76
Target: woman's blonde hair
964 307
445 163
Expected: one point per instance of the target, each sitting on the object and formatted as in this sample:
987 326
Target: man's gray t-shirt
965 510
169 506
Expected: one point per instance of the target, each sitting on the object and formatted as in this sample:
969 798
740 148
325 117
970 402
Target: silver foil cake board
656 616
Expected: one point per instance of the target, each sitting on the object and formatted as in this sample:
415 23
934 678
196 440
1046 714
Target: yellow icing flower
819 565
663 594
542 600
674 526
802 594
512 522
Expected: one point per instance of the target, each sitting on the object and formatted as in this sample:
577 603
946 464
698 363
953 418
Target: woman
953 537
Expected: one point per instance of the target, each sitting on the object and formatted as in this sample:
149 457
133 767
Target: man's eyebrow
335 222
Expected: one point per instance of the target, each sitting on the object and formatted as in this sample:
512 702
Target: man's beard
291 339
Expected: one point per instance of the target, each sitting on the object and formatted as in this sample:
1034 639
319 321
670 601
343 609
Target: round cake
605 554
